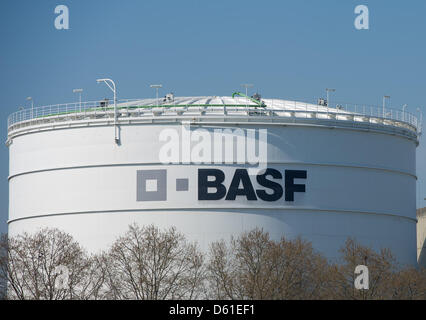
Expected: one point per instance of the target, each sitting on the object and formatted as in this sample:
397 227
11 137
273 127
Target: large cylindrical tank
332 173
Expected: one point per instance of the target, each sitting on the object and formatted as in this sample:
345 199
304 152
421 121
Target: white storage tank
215 167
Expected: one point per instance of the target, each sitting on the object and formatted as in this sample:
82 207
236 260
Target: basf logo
152 185
225 147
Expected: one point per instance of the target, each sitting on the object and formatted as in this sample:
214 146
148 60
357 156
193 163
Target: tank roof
274 104
233 108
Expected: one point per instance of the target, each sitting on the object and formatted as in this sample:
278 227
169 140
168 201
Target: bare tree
409 284
381 265
149 264
36 263
253 266
3 266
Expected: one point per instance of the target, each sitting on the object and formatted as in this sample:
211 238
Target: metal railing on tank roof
272 108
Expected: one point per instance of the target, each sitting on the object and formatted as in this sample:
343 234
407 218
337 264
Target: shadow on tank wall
422 258
421 237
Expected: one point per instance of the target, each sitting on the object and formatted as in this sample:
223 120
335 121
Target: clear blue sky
289 49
